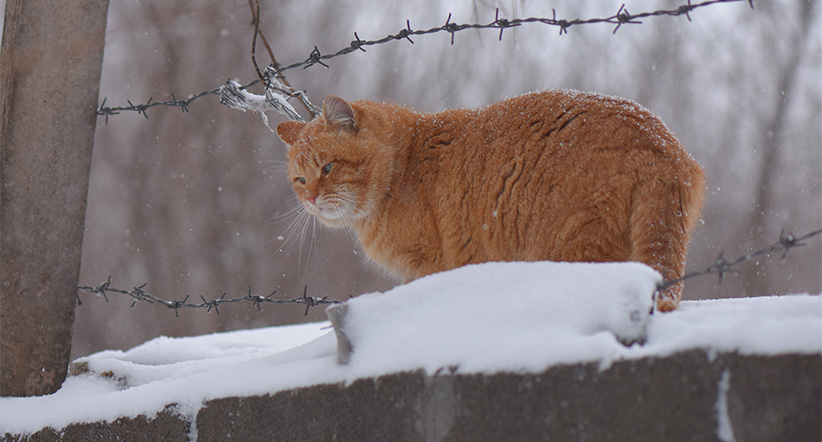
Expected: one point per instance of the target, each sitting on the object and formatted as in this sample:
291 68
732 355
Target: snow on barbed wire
234 96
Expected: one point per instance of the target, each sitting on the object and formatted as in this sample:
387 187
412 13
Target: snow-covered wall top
496 317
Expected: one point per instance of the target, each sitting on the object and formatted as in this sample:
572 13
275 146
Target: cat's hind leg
663 215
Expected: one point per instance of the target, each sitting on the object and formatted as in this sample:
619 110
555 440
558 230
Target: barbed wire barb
624 17
686 10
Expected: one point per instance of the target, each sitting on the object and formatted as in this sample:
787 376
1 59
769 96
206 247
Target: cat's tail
663 215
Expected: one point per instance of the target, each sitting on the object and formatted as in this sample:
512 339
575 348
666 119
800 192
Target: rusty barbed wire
786 242
256 300
275 71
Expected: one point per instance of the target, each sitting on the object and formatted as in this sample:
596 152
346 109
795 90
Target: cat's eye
300 180
327 168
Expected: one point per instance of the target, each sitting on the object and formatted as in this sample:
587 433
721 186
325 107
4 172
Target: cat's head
337 164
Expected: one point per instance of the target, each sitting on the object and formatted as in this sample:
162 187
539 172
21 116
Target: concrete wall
690 396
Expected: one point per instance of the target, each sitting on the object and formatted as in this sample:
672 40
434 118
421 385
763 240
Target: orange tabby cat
554 175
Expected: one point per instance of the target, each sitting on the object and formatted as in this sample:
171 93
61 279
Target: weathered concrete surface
385 409
49 79
671 398
778 400
166 427
675 398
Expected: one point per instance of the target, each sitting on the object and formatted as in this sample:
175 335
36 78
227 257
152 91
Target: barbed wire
142 108
621 17
256 300
786 242
275 71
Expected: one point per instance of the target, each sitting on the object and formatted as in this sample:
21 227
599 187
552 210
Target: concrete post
49 79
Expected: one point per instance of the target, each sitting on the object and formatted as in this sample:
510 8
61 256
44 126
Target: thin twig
256 12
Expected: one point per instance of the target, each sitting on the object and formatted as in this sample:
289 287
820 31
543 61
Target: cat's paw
666 305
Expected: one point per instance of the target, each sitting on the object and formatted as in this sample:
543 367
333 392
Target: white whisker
275 166
302 238
299 213
289 213
340 209
315 242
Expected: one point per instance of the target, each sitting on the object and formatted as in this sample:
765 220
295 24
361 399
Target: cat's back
547 132
564 122
579 119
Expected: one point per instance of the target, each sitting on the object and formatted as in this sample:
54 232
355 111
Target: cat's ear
289 130
338 114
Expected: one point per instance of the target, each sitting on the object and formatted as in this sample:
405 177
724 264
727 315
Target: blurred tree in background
197 203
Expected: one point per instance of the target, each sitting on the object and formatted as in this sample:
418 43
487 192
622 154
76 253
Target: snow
488 318
234 96
724 430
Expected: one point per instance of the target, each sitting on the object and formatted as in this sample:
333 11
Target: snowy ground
486 318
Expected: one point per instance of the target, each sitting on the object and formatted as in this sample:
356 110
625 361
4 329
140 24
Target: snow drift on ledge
521 317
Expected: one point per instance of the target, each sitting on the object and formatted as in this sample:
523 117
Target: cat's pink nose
312 200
